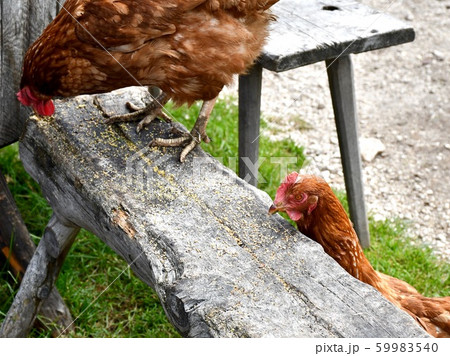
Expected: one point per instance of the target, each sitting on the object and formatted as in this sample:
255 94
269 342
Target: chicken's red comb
292 178
288 181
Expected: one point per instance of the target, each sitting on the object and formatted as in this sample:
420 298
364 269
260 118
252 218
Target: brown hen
310 202
189 49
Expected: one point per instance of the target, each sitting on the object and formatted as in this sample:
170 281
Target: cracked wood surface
310 31
195 232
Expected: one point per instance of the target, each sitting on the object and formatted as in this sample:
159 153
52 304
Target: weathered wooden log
196 233
18 249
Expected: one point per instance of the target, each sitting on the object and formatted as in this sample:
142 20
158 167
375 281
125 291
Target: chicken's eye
301 197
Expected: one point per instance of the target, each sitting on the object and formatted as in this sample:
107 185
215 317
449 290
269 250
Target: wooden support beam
340 76
249 122
18 249
39 278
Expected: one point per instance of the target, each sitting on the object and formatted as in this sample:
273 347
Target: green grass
392 253
129 308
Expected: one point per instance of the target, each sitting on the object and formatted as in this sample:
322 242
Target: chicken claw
189 140
151 112
192 142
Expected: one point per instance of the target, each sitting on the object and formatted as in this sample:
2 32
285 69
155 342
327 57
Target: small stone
370 148
320 106
427 60
409 17
334 140
438 55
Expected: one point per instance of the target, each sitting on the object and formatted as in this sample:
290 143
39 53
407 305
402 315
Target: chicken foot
190 139
150 113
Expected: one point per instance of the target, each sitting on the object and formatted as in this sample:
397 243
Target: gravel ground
403 96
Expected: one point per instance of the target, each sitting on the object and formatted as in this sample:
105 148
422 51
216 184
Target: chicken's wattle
44 108
41 107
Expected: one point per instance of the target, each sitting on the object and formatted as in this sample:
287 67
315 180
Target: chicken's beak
273 209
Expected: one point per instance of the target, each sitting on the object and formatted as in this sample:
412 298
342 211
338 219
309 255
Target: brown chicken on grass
310 202
190 49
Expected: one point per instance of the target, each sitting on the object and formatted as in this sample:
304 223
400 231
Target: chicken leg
190 139
150 113
155 109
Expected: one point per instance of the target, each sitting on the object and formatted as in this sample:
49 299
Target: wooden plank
196 233
22 22
340 76
18 249
13 228
39 279
306 33
249 122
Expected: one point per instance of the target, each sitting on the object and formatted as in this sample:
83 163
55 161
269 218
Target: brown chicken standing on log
310 202
190 49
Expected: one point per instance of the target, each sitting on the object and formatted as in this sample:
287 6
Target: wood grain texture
13 228
37 286
249 122
340 77
196 233
306 32
22 22
16 245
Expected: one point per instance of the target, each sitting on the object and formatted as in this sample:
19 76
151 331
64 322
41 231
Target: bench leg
18 248
249 120
39 278
340 76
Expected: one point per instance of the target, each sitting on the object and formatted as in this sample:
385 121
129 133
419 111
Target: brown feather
329 225
189 49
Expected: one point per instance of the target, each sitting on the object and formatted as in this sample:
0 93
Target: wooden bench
310 31
196 233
